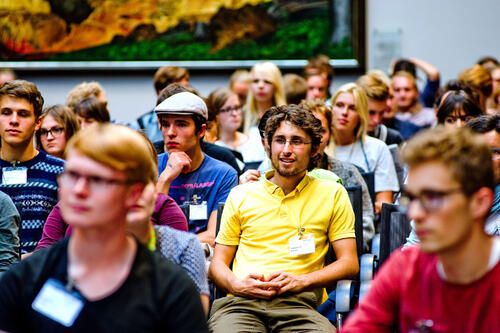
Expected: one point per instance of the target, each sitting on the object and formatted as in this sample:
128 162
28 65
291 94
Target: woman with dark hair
91 110
227 108
456 108
59 124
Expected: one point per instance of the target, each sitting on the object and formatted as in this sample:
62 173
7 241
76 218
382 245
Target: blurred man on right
449 283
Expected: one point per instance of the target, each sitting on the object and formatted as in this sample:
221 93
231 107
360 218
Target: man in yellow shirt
276 233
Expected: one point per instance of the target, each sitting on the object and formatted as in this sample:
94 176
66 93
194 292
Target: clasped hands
256 285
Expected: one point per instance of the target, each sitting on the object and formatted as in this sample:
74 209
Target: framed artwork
203 34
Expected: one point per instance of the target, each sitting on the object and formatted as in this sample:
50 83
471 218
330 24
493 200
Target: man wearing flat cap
186 173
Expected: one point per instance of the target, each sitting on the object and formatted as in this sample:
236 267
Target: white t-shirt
252 150
378 160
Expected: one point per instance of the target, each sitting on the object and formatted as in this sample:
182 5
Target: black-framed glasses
230 109
430 200
95 183
54 131
294 142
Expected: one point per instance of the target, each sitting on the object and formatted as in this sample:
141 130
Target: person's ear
480 202
202 131
38 123
134 194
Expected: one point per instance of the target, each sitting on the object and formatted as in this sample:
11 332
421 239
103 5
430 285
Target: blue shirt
211 182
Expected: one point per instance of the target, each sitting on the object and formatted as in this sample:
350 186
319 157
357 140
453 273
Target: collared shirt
260 219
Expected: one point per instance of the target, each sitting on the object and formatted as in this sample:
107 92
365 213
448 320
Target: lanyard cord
364 155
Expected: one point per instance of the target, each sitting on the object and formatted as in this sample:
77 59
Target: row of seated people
172 120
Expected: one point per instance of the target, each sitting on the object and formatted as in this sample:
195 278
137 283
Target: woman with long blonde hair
352 144
266 90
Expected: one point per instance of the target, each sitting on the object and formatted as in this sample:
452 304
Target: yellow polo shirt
260 219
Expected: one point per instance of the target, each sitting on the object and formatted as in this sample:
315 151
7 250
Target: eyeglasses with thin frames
294 142
430 200
54 131
95 183
230 109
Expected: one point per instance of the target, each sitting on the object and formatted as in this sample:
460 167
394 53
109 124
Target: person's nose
171 132
14 118
81 186
416 211
287 147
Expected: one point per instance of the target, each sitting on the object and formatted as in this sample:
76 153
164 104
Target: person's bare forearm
429 69
221 275
328 275
206 237
163 186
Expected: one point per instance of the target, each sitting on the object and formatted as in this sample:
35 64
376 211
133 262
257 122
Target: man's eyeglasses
94 183
430 200
295 142
55 132
231 108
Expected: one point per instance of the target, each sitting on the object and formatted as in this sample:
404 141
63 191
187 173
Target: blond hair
273 74
239 75
463 152
361 103
374 87
117 147
81 91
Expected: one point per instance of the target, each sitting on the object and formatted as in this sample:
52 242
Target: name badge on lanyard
198 211
301 244
12 176
57 303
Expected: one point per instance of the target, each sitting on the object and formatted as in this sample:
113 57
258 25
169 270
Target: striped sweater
35 199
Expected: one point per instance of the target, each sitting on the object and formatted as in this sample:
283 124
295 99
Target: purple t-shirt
166 212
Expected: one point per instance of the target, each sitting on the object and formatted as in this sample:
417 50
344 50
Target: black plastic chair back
369 178
394 229
355 196
220 209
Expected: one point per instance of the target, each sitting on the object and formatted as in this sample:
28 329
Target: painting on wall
142 31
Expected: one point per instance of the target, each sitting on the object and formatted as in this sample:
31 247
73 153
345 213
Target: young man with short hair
101 278
378 93
276 233
317 86
449 283
406 101
28 175
187 174
163 77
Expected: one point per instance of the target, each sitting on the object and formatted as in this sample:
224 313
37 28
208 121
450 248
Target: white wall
451 34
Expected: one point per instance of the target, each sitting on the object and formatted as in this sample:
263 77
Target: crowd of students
278 151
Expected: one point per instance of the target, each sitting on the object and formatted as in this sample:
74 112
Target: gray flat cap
184 103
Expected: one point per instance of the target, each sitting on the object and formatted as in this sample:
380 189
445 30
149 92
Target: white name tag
55 302
12 176
198 212
301 245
